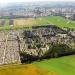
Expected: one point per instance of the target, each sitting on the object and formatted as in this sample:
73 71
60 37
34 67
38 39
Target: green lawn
61 66
55 20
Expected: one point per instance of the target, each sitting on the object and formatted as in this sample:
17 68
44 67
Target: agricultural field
28 22
55 66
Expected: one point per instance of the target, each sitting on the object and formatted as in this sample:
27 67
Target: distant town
36 9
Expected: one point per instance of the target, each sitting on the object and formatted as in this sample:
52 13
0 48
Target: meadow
48 20
61 66
54 66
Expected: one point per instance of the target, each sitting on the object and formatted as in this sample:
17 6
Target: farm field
55 66
54 20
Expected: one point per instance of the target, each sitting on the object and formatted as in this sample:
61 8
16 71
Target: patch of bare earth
29 21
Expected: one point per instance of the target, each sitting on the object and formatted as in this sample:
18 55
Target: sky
11 1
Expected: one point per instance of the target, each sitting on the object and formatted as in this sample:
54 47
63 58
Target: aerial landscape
37 37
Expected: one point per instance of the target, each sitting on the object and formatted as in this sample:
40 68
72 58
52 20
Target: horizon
18 1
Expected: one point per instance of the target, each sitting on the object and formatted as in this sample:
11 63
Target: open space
55 66
49 20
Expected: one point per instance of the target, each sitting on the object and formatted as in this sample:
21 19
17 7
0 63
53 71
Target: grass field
26 69
61 66
55 66
55 20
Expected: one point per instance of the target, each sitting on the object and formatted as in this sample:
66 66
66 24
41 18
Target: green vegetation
7 27
54 20
61 66
55 66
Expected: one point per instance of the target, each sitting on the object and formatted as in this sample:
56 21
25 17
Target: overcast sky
8 1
